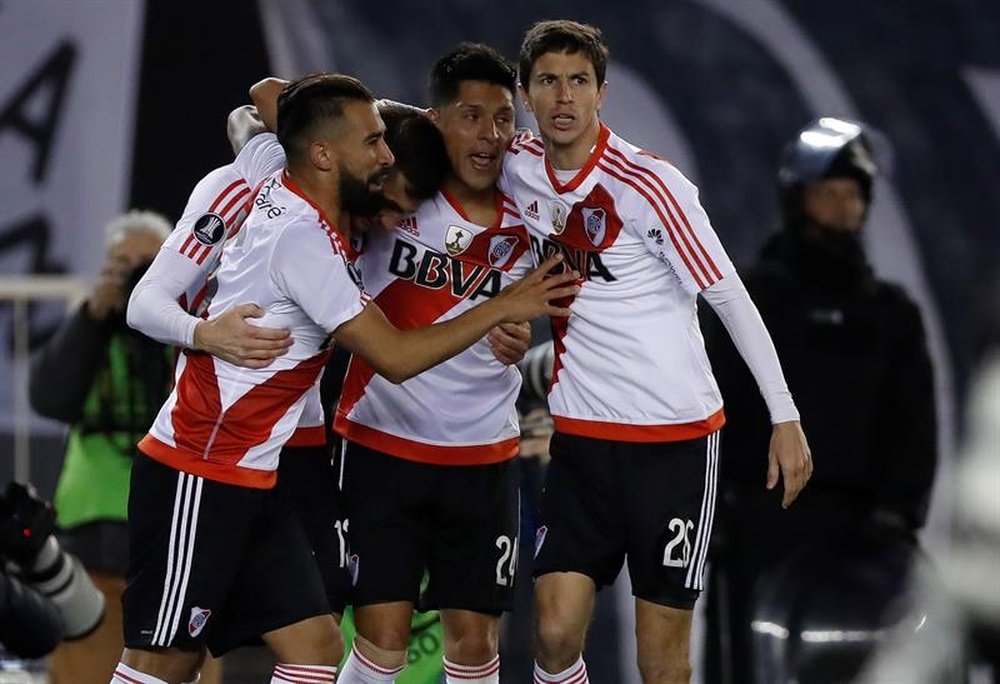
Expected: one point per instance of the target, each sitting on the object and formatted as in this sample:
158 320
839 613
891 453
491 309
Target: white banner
68 87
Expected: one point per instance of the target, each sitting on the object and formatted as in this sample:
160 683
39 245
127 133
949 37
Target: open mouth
562 122
377 182
483 161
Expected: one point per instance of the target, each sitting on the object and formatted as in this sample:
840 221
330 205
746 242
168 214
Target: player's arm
242 124
789 452
677 230
264 94
400 354
183 263
154 310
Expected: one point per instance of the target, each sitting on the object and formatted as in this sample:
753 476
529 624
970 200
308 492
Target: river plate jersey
215 212
630 362
435 265
227 423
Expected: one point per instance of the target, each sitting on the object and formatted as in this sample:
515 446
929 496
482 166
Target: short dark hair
418 147
312 100
469 62
563 35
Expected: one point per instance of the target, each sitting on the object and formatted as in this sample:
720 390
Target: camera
34 556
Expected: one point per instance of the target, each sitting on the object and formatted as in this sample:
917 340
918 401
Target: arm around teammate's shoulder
399 355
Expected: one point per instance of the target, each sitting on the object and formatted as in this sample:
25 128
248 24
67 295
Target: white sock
303 674
487 673
360 670
574 674
127 675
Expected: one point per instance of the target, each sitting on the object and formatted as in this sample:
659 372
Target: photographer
107 382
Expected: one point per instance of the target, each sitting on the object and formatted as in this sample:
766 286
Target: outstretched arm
789 456
400 354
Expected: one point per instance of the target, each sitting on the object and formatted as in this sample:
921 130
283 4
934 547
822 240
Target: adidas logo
409 225
532 211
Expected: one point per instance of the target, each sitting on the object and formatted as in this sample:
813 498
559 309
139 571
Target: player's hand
534 294
790 455
231 338
509 342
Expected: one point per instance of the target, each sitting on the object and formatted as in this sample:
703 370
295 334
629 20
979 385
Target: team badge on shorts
540 538
558 212
353 568
199 617
457 240
209 229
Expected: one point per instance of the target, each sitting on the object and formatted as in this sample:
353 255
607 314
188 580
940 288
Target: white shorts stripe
179 558
695 574
199 481
170 557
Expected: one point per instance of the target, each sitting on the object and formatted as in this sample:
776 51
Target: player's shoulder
645 174
524 148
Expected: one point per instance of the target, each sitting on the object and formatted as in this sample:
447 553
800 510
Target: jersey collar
595 155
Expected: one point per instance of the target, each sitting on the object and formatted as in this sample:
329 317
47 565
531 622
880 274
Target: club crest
501 250
199 618
594 224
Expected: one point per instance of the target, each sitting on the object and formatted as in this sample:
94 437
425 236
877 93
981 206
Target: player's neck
479 205
574 154
321 190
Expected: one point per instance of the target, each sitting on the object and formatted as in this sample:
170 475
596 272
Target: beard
356 196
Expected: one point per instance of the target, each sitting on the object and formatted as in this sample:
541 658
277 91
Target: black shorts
652 502
457 523
308 480
212 564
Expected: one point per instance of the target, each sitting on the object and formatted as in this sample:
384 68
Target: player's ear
434 114
321 155
523 94
602 94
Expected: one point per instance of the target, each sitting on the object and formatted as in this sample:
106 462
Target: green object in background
425 659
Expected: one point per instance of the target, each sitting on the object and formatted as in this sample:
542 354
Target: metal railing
20 292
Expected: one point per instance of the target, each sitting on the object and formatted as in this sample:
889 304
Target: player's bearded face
361 196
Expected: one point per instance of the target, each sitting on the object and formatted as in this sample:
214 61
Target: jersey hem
433 454
179 459
619 432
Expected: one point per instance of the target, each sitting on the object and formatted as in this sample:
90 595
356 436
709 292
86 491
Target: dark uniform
854 354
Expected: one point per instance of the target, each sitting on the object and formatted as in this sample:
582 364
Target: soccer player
181 276
637 412
430 473
206 539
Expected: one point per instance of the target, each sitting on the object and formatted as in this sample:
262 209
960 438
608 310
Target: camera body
27 542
